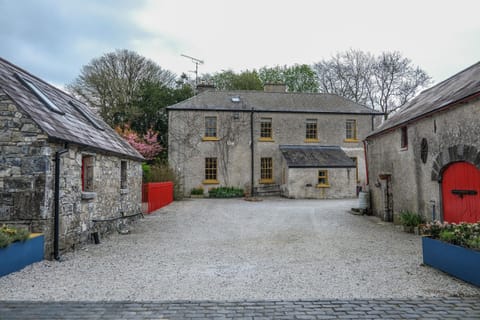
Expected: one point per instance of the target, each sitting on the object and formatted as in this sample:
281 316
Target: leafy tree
297 78
148 106
229 80
110 83
385 82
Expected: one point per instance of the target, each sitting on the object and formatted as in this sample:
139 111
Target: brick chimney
275 87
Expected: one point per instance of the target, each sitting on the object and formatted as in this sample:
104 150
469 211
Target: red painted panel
459 206
157 195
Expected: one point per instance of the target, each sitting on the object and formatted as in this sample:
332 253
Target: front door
461 193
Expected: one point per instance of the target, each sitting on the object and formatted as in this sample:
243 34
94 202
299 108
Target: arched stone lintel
452 154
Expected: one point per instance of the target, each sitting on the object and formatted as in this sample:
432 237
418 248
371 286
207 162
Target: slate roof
71 126
462 85
272 102
306 156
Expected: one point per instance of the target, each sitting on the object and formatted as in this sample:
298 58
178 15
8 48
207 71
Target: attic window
236 99
46 101
86 115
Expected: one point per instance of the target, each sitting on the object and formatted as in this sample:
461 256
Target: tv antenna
197 62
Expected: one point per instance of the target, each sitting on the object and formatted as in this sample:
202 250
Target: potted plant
19 248
453 248
410 220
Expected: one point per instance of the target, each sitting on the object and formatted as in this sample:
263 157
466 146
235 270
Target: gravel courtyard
233 249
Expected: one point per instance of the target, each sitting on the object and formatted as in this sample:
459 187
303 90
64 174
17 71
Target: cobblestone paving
433 308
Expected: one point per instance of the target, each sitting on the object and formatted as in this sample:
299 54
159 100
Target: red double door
461 193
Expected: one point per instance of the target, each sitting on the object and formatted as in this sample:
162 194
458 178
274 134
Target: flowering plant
462 234
147 145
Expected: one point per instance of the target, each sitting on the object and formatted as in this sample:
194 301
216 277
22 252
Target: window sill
311 140
404 148
124 191
267 181
351 140
210 139
211 181
266 140
88 195
322 186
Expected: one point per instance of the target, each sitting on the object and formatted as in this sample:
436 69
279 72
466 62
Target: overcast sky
54 38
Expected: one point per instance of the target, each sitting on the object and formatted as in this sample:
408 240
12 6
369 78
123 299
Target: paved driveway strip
445 308
235 250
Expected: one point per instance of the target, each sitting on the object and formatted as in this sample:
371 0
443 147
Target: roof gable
462 85
237 100
66 118
304 156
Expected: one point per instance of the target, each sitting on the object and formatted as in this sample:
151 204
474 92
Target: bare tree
384 83
109 83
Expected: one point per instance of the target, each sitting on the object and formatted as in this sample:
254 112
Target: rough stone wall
414 187
187 151
301 184
27 169
107 201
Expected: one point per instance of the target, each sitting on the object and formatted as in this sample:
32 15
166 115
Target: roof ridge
449 78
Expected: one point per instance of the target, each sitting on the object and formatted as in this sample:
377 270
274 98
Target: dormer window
40 95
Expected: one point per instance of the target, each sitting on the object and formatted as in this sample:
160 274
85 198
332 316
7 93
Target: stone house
300 145
426 157
63 171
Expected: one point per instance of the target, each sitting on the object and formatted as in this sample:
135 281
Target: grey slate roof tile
72 126
272 102
305 156
461 85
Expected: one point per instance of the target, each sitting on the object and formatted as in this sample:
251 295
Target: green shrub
225 192
162 172
197 191
12 234
410 219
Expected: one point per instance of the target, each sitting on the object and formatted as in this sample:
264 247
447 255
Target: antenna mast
197 62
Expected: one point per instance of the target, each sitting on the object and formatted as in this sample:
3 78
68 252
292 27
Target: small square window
323 179
87 173
123 175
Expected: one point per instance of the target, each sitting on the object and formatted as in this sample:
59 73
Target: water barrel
363 200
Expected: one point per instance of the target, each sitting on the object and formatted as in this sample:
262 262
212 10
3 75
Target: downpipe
56 217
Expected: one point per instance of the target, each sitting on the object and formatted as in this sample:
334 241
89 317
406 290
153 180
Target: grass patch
12 234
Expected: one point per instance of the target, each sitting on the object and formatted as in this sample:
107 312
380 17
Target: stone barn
63 171
426 157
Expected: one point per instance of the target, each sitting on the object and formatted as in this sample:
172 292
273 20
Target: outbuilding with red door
426 157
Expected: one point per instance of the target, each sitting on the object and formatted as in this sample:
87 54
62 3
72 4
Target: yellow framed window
351 130
311 130
323 179
210 127
211 169
266 170
266 129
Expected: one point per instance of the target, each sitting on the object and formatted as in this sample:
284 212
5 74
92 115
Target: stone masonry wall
27 169
302 183
187 150
414 184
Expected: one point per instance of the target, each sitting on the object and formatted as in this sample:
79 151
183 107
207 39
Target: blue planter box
457 261
18 255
